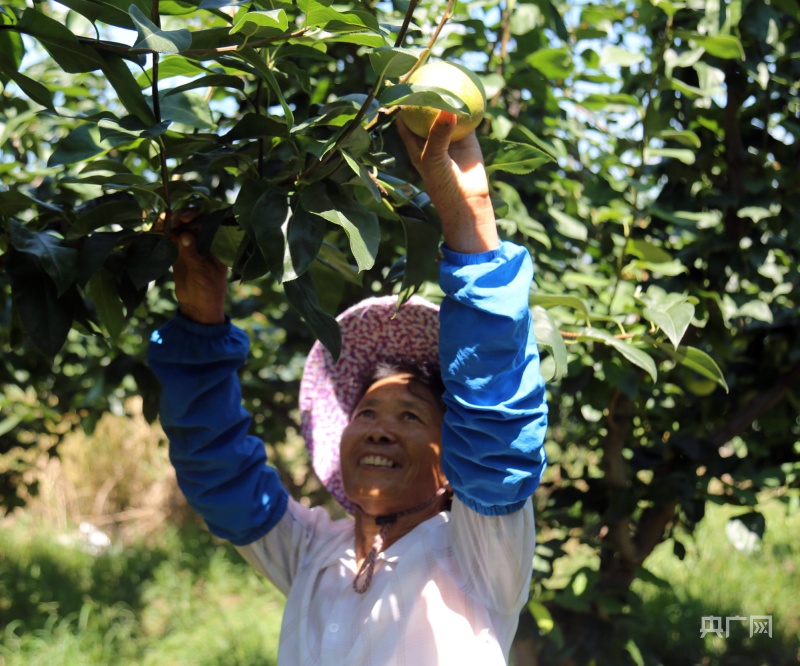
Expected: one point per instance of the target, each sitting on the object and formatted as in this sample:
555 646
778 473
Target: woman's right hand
201 283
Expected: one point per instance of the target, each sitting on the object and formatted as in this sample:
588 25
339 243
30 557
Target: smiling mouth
377 461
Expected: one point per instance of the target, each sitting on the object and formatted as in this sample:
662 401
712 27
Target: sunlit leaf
554 63
549 337
512 157
417 95
393 62
154 38
568 226
254 23
64 47
360 225
635 355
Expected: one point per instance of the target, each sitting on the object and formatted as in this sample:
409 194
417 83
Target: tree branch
757 407
617 478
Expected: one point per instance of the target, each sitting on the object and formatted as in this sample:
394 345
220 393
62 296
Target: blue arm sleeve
494 427
221 469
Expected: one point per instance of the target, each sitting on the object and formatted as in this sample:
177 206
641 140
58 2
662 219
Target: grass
716 580
184 600
180 597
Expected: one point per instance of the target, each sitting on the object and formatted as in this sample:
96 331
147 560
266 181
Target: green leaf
417 95
568 226
125 213
112 12
758 213
187 108
148 258
304 235
103 292
79 145
360 38
64 47
319 15
611 102
757 309
686 137
671 317
512 157
332 259
59 262
252 57
154 38
392 62
262 212
209 81
549 336
255 125
544 620
554 64
667 6
46 317
33 89
681 154
364 176
553 300
726 47
260 23
226 244
12 51
697 360
128 90
633 354
360 225
616 55
634 652
421 262
302 295
647 251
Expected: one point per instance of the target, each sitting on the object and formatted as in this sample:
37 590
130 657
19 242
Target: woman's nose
381 434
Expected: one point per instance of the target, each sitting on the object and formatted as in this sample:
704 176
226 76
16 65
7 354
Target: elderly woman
429 430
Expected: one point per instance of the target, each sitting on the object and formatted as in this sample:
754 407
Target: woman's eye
365 413
411 416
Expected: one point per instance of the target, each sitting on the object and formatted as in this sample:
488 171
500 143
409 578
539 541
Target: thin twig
619 336
162 149
448 13
406 22
384 114
504 39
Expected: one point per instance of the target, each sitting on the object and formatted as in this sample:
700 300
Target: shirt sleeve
494 427
221 470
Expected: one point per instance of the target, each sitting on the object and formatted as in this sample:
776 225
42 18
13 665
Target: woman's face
391 449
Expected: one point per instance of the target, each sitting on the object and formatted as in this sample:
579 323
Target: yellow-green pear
455 79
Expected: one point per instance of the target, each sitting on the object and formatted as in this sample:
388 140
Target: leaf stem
162 149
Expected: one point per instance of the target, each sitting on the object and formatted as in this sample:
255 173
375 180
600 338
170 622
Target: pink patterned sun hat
374 331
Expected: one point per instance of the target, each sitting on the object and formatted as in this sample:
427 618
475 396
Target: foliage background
644 150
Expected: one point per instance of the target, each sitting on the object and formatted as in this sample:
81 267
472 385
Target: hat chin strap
363 578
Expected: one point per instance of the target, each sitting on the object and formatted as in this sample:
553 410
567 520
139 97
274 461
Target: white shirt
447 593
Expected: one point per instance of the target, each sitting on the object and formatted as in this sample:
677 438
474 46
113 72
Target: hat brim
374 331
